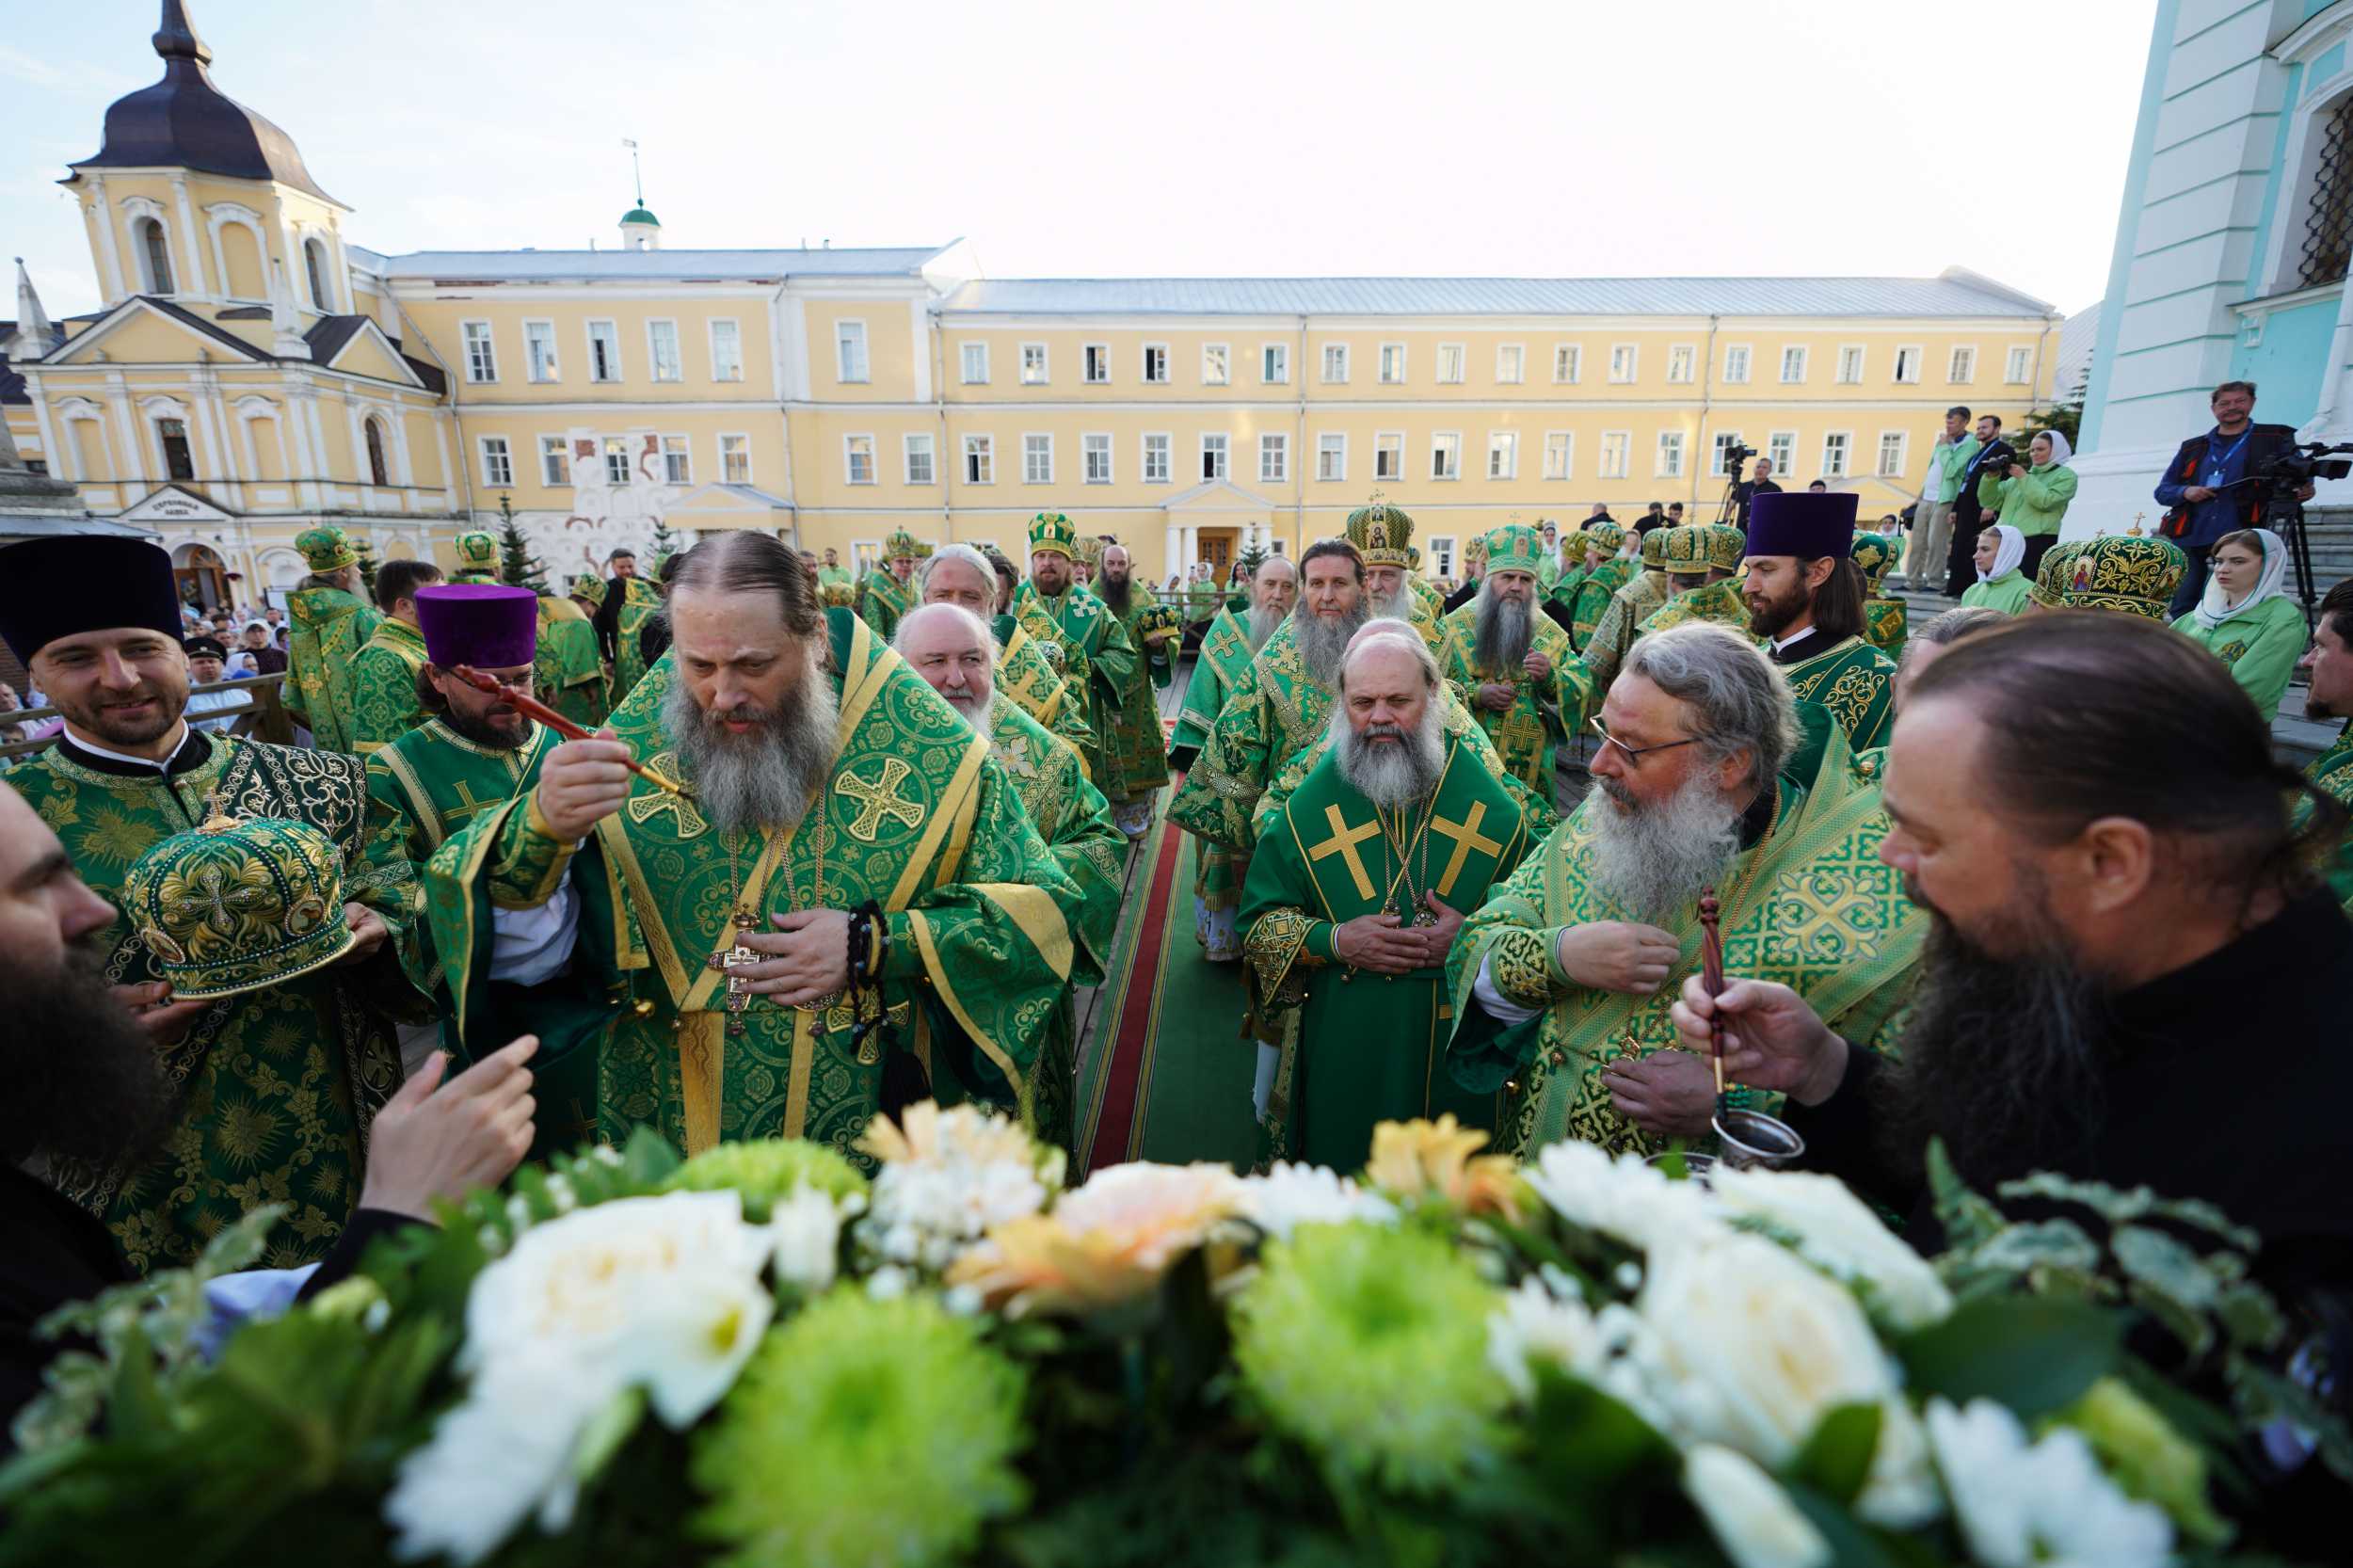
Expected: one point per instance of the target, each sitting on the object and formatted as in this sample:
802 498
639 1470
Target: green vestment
883 599
2259 646
836 577
2332 771
274 1088
1096 660
2005 593
640 602
1137 745
1222 666
567 672
1718 601
1369 1048
1809 904
1542 711
1432 601
1856 683
328 629
384 704
915 815
1595 591
1886 622
1027 676
1563 591
1643 595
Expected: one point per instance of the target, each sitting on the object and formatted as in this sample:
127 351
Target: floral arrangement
760 1356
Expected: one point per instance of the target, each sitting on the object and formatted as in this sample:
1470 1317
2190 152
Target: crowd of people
751 845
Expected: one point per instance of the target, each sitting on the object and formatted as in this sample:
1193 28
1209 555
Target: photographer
2033 498
2205 487
1992 456
1747 490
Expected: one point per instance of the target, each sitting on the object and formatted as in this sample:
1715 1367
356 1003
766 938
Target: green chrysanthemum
863 1432
1369 1345
765 1170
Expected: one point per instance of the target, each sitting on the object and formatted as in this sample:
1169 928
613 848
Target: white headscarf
2214 609
2060 450
2007 556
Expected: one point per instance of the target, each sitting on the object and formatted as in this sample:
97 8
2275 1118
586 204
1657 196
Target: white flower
497 1459
1612 1350
689 1337
808 1230
1529 1324
1836 1232
2045 1504
1777 1345
947 1177
1292 1195
1620 1197
1900 1492
1755 1521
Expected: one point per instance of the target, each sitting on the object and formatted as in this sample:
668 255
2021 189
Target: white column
1169 552
126 424
200 408
1192 542
302 419
194 263
102 210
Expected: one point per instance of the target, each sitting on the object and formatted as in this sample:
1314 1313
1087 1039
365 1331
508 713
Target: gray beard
1264 618
976 708
1392 777
1655 861
1397 606
763 779
1500 644
1321 643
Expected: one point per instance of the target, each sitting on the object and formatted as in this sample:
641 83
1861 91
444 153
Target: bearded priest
1804 593
1355 893
1383 536
950 649
887 592
1643 595
1562 982
842 905
1138 754
961 575
1096 657
1223 663
1525 684
330 621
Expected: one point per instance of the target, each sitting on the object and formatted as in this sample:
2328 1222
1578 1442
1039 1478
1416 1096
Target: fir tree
665 546
518 566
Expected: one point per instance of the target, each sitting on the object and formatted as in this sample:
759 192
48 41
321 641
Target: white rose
1900 1492
1837 1233
1292 1195
808 1230
494 1461
1752 1519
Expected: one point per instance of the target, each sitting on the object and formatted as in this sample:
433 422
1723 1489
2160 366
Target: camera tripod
2285 516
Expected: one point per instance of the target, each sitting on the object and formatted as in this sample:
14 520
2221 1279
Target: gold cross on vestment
876 798
686 821
465 812
1343 843
1466 838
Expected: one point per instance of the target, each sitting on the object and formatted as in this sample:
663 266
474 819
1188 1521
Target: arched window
314 262
376 451
157 249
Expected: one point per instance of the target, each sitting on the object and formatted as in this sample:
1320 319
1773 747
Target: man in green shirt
1932 519
833 574
384 672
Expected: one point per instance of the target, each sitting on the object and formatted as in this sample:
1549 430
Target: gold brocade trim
924 942
1039 917
963 789
620 853
798 1075
1520 963
428 815
701 1076
1273 944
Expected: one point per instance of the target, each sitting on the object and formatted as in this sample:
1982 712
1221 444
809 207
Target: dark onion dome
183 121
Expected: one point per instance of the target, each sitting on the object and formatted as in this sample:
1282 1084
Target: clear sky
1145 138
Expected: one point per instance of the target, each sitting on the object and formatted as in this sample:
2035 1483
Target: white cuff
1502 1008
529 947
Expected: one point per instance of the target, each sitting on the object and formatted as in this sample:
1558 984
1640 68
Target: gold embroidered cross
1466 838
1343 843
686 821
222 907
875 799
1013 759
466 811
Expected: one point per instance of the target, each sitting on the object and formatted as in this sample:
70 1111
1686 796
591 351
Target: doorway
200 577
1219 547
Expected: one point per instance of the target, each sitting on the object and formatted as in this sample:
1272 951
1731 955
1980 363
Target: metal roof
540 266
1955 293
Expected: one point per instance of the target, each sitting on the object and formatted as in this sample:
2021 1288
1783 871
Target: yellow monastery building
255 370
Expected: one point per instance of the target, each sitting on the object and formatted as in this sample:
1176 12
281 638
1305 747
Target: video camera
2306 461
1736 455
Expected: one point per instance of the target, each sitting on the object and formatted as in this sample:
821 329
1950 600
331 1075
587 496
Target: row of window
669 461
171 440
1274 363
543 362
153 253
979 455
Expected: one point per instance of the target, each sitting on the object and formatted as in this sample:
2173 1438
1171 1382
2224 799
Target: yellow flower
1107 1243
1425 1159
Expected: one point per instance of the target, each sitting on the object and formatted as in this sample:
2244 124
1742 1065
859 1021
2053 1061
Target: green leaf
1967 1218
1836 1459
2033 1355
2120 1207
648 1158
1852 1544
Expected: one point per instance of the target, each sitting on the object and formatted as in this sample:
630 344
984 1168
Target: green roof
639 215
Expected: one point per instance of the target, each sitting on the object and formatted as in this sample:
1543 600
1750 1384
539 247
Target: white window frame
1667 456
559 448
1438 451
1330 350
611 447
1091 358
1804 359
972 353
1275 364
1563 442
1461 354
1746 365
490 447
487 343
1622 469
850 440
711 340
653 350
684 473
977 457
1721 439
1686 357
1845 468
1403 364
1861 357
1031 473
1568 364
1035 356
1961 365
849 330
1919 354
1391 444
1504 444
1217 364
613 336
1274 457
1334 444
1093 443
555 356
1167 456
1781 447
1161 349
1626 363
1224 448
1511 364
1903 453
743 448
2018 365
908 451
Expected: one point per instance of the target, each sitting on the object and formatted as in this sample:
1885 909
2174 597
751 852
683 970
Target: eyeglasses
1634 754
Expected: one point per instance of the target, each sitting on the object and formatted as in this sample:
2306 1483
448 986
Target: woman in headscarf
2032 500
2001 584
2245 619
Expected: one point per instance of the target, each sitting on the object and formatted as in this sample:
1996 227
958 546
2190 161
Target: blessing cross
1343 843
739 999
1466 838
879 798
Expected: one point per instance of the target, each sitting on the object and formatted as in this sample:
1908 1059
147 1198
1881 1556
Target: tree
518 566
1250 560
665 545
2066 416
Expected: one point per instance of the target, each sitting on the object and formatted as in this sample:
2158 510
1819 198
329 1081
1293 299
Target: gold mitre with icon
477 552
325 547
902 544
1054 533
239 904
1514 546
2121 573
1382 534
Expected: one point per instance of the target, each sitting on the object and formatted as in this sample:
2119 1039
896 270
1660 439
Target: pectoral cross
879 798
1466 838
1343 843
739 999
